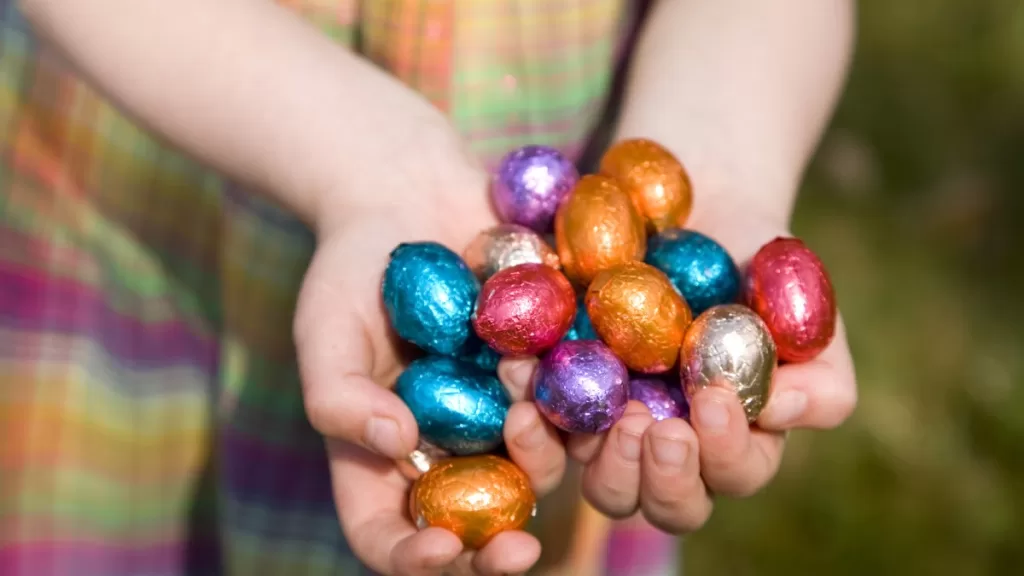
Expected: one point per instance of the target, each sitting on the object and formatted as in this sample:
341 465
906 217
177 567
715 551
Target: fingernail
531 438
712 415
669 452
382 436
789 406
629 445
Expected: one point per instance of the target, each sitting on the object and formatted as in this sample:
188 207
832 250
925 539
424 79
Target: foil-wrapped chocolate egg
524 310
788 286
597 228
639 314
662 400
458 407
507 245
477 352
475 497
581 386
654 179
429 294
700 268
729 346
529 185
581 329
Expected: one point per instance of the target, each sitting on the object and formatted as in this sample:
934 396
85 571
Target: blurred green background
915 201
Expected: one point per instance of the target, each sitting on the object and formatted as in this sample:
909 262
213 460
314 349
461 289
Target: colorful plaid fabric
150 412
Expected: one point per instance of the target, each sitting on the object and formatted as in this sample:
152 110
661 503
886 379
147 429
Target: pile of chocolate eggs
598 276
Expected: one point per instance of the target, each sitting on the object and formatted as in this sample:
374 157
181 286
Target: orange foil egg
596 228
475 497
655 180
637 312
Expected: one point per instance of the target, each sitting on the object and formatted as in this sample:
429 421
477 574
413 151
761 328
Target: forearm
245 87
741 92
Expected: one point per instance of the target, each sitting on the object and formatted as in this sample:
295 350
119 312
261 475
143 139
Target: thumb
341 398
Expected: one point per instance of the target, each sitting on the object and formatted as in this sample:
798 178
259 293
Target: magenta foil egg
581 386
530 184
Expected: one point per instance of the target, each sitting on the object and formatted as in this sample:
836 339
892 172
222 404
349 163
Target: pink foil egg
525 309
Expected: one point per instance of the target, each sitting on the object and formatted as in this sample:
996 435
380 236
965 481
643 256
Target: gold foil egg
654 178
596 228
475 497
730 346
507 245
638 313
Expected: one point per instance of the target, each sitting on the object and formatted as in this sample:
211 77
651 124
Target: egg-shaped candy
662 400
581 386
581 328
597 228
458 407
700 268
639 314
524 310
507 245
788 286
429 294
477 352
653 178
529 185
729 346
475 497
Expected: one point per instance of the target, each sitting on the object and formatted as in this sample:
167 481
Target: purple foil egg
529 185
581 386
663 400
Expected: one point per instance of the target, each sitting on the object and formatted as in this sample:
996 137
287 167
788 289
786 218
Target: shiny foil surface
507 245
421 459
700 268
477 352
663 401
458 407
529 185
525 309
582 328
581 386
429 294
654 179
729 346
475 497
639 314
597 228
789 287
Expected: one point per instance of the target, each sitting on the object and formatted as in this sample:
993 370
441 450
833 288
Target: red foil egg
790 289
525 309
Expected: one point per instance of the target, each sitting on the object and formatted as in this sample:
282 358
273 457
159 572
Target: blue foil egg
477 352
700 268
458 407
430 293
581 328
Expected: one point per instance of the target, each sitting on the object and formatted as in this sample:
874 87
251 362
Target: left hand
671 469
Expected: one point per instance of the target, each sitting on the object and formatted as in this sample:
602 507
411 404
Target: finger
341 399
611 482
515 374
735 459
672 493
585 447
370 495
819 394
508 553
534 445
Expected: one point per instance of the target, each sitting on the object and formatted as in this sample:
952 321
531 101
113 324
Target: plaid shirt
150 412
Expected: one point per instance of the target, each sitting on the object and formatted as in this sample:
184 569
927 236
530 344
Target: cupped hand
671 470
349 358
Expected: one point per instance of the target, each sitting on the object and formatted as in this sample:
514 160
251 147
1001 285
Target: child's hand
348 355
669 470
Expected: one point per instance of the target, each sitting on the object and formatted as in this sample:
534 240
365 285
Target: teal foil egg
429 294
581 328
477 352
458 407
700 268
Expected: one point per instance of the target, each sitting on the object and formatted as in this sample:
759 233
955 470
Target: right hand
349 358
